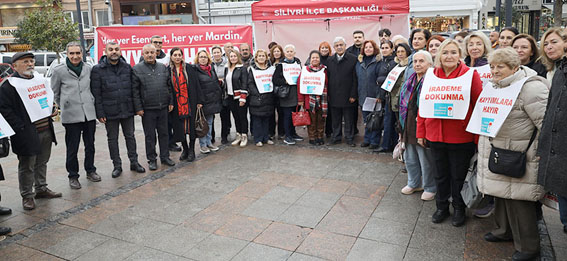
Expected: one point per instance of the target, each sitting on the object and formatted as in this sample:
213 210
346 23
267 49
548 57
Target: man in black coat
153 100
32 141
111 85
343 89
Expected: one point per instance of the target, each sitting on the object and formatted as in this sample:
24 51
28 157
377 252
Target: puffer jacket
261 104
211 90
151 86
367 74
527 113
111 86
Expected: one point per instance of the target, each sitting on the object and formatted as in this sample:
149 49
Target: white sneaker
213 147
204 150
237 140
244 141
407 190
427 196
259 144
270 142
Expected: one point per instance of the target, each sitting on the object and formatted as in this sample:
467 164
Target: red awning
308 9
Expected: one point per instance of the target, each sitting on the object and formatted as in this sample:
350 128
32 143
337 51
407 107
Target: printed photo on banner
36 94
263 79
312 82
445 98
5 129
392 78
492 108
291 72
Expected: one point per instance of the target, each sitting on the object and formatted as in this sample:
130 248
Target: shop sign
7 32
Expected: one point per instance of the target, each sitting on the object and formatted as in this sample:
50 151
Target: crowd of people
334 85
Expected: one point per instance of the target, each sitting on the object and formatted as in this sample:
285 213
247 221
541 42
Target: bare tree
557 12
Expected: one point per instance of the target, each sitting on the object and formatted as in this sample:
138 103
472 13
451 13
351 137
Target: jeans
260 130
112 127
278 124
370 137
562 209
390 137
206 141
156 120
32 170
420 164
73 133
288 122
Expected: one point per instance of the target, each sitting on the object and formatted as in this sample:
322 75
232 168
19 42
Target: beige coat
527 113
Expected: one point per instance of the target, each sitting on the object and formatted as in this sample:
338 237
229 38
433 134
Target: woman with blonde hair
236 82
477 49
552 46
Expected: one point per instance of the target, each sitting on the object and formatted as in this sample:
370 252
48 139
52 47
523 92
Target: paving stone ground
275 202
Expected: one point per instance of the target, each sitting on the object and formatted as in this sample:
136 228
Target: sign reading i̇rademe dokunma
492 108
312 83
36 94
445 98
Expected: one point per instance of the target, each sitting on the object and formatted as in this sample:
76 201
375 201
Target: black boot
191 156
440 215
459 217
184 155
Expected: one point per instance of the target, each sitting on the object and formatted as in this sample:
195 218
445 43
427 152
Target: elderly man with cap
71 84
26 101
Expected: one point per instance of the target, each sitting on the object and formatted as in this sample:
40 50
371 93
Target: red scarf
181 92
206 68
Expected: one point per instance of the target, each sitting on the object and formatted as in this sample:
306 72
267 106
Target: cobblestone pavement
275 202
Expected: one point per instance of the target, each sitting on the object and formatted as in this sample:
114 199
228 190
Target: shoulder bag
282 91
201 125
509 162
470 193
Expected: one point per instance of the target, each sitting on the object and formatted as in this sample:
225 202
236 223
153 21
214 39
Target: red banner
190 38
308 9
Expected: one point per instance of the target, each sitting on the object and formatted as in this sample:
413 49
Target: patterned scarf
206 68
405 95
319 100
181 91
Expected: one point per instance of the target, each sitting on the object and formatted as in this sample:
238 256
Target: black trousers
156 120
279 122
240 115
338 115
329 124
452 162
225 122
73 133
112 127
192 136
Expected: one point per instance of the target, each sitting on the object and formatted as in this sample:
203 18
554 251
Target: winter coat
538 67
367 76
395 93
526 115
195 97
552 143
73 93
260 104
151 85
353 50
279 80
111 86
239 82
343 83
388 63
478 63
26 139
211 90
448 130
219 68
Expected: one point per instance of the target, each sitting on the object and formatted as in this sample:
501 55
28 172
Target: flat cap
22 55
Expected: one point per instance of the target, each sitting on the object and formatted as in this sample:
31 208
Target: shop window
102 17
84 15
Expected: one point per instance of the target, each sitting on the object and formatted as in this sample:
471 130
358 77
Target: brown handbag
201 125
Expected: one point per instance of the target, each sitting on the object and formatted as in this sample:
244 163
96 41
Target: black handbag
375 120
4 147
509 162
282 91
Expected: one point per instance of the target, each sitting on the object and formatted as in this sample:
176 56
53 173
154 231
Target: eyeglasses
156 42
203 57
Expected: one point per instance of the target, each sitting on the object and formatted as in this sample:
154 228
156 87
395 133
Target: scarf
206 68
181 91
76 69
319 100
411 85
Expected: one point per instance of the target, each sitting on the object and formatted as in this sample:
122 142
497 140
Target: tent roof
308 9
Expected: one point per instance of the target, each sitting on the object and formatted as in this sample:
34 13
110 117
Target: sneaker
259 144
270 142
244 141
407 190
297 137
74 183
289 141
236 141
213 147
204 150
364 144
484 212
427 196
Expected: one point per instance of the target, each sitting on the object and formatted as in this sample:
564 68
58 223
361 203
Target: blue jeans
370 137
206 141
390 136
562 209
420 164
260 128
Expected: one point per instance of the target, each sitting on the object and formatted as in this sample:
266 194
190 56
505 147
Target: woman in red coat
444 131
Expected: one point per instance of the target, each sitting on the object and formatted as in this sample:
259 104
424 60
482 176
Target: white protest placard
263 79
392 78
291 72
36 94
484 73
492 108
312 83
445 98
5 129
